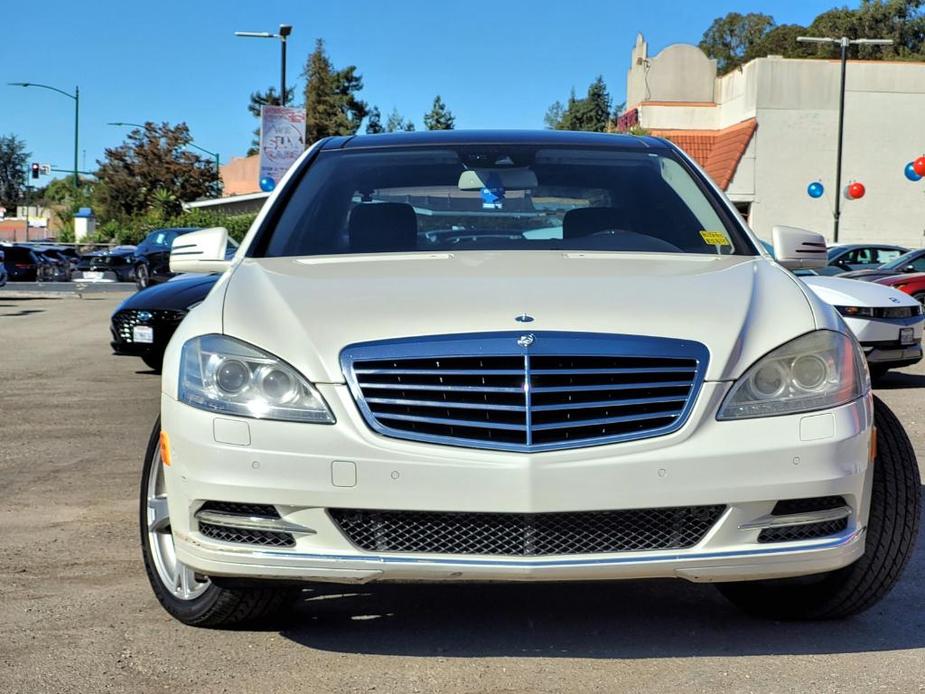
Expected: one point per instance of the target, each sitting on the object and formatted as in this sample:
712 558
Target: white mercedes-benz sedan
516 356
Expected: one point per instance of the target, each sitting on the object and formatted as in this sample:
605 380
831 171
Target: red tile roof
717 151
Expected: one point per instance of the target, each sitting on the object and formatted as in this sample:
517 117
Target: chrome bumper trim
835 542
233 520
832 514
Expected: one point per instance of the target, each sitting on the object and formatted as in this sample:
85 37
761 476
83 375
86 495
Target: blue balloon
267 184
815 189
911 172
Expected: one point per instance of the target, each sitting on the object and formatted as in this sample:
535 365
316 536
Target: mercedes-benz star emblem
525 340
523 318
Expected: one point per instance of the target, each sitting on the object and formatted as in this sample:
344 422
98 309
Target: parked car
888 327
913 285
23 264
143 324
152 254
887 322
3 273
913 261
860 256
113 265
642 393
59 264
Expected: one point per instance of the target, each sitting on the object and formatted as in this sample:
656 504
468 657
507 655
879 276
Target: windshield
901 262
493 197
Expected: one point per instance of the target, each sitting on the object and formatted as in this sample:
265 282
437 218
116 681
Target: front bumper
303 470
880 339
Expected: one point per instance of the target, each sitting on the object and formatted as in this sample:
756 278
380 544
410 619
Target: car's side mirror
798 248
909 268
200 251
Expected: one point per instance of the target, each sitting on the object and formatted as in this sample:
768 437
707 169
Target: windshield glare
474 198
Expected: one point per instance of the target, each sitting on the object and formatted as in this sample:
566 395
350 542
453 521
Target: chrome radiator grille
525 392
520 534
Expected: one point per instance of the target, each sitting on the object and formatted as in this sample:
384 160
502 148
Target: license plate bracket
906 336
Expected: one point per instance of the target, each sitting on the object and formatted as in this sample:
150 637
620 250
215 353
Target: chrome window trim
505 344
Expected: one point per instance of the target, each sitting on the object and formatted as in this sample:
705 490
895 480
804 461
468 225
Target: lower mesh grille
816 503
266 538
794 533
265 510
512 534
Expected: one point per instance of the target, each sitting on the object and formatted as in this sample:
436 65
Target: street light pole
76 97
284 31
843 43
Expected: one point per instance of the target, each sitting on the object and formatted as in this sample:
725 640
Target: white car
887 322
393 382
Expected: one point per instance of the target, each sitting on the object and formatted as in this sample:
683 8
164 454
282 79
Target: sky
496 65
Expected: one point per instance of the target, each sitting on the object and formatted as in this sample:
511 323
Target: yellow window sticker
715 238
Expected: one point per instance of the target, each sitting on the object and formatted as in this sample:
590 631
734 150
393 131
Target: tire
142 279
154 361
892 529
192 599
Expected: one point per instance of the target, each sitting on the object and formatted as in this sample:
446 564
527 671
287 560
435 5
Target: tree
440 117
268 97
592 113
331 103
13 161
397 123
152 159
731 39
374 122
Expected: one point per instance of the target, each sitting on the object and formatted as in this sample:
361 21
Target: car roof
499 137
852 246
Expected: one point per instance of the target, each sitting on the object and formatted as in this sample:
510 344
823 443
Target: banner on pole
282 141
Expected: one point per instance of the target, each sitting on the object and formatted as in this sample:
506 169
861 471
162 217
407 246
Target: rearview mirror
200 251
506 179
798 248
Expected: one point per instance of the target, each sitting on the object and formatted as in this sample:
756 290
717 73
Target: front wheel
892 528
187 595
141 276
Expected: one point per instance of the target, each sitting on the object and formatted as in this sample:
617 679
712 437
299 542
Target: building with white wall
768 129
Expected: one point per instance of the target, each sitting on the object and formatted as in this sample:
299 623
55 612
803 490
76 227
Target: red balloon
919 166
856 190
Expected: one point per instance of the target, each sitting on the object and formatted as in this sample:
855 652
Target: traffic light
35 170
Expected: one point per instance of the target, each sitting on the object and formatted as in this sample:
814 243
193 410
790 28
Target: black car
114 265
913 261
152 256
143 324
24 264
3 273
60 264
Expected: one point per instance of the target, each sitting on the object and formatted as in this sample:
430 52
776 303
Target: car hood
306 310
842 292
179 293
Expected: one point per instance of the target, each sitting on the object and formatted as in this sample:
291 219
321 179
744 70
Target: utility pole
844 42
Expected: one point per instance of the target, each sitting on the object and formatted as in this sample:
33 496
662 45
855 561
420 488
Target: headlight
817 371
856 311
221 374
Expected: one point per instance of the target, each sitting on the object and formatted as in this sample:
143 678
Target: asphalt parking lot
76 613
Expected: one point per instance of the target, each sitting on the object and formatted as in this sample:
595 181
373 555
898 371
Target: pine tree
592 113
331 103
397 123
374 122
440 117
